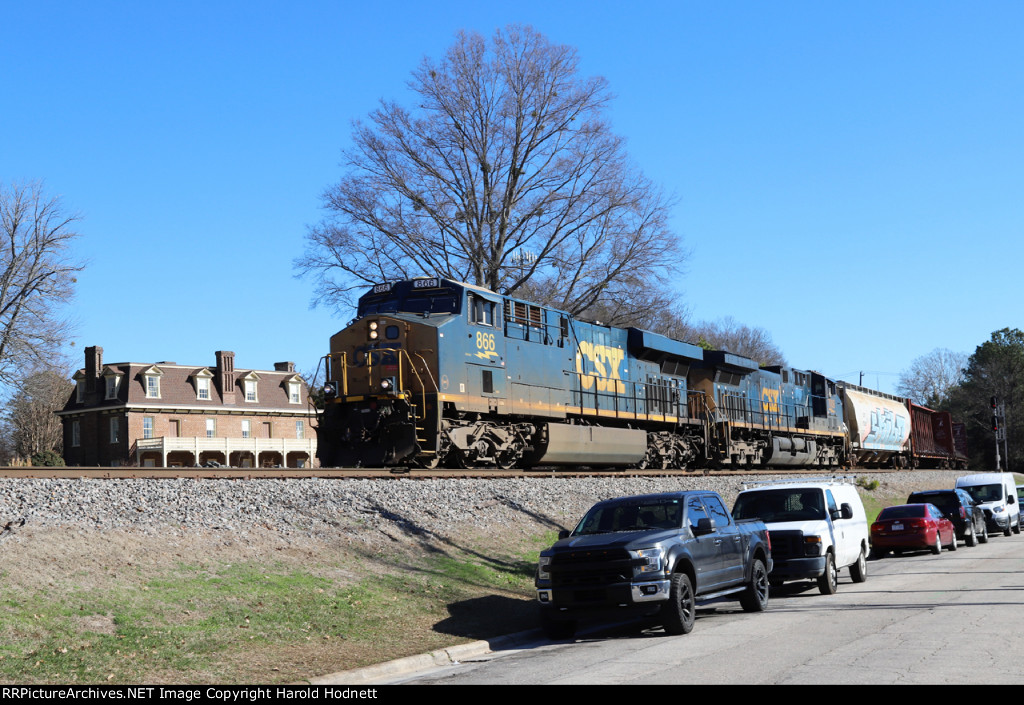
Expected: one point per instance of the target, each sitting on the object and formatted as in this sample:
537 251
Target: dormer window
151 379
79 379
249 387
202 381
111 383
294 386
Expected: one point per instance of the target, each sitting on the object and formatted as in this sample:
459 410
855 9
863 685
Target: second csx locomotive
438 373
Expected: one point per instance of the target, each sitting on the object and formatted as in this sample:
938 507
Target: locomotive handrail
638 394
401 383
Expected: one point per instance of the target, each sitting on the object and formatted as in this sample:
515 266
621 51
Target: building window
115 429
203 388
112 386
76 433
250 390
300 429
246 428
80 391
147 426
152 387
211 428
294 392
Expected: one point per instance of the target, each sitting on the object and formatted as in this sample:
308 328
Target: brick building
164 415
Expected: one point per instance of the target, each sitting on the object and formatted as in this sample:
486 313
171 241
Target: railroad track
382 473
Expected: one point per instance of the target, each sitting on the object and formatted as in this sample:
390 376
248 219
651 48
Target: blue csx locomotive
438 373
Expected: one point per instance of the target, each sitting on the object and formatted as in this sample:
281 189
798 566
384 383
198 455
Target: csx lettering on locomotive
605 361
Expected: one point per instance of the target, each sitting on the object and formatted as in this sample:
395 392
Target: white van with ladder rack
817 528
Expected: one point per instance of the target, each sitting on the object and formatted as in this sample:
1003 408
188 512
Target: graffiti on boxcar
887 428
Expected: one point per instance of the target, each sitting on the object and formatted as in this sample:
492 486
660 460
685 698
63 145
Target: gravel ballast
355 509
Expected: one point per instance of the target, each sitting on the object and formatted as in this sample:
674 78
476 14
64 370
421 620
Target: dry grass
118 607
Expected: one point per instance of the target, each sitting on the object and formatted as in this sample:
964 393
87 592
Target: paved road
953 618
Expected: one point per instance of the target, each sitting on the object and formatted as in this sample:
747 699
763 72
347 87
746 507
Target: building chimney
226 375
284 367
93 367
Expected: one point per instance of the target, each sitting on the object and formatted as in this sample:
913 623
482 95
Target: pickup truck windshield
780 505
631 517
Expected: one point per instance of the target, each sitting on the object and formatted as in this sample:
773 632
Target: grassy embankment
209 621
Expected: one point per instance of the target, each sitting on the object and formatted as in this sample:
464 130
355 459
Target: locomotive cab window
481 311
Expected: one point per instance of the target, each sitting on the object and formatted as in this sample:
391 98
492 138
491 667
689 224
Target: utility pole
999 427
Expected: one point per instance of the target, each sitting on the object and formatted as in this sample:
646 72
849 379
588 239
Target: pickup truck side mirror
704 526
563 534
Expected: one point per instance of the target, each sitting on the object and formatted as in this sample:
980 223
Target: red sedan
911 526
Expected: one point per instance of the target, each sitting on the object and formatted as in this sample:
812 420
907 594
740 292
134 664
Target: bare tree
505 174
37 277
930 377
741 339
30 418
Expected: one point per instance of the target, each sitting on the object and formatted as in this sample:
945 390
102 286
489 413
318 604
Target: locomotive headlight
329 391
374 332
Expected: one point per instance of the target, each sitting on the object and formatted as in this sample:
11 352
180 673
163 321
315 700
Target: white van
817 527
996 495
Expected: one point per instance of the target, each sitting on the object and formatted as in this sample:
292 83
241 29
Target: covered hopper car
438 373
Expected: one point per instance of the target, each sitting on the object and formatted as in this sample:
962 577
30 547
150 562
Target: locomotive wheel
652 460
509 457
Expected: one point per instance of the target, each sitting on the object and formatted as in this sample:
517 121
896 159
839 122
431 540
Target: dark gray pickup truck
652 554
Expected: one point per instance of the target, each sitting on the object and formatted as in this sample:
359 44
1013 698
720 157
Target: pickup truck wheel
557 629
681 609
859 570
755 597
984 533
828 582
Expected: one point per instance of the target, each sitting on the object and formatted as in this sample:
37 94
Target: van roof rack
846 479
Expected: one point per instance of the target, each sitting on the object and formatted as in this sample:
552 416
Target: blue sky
848 176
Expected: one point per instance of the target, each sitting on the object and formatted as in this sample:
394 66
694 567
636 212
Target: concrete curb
422 662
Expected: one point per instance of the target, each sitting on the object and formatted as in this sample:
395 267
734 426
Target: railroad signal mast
999 427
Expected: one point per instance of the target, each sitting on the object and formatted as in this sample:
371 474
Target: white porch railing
227 446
